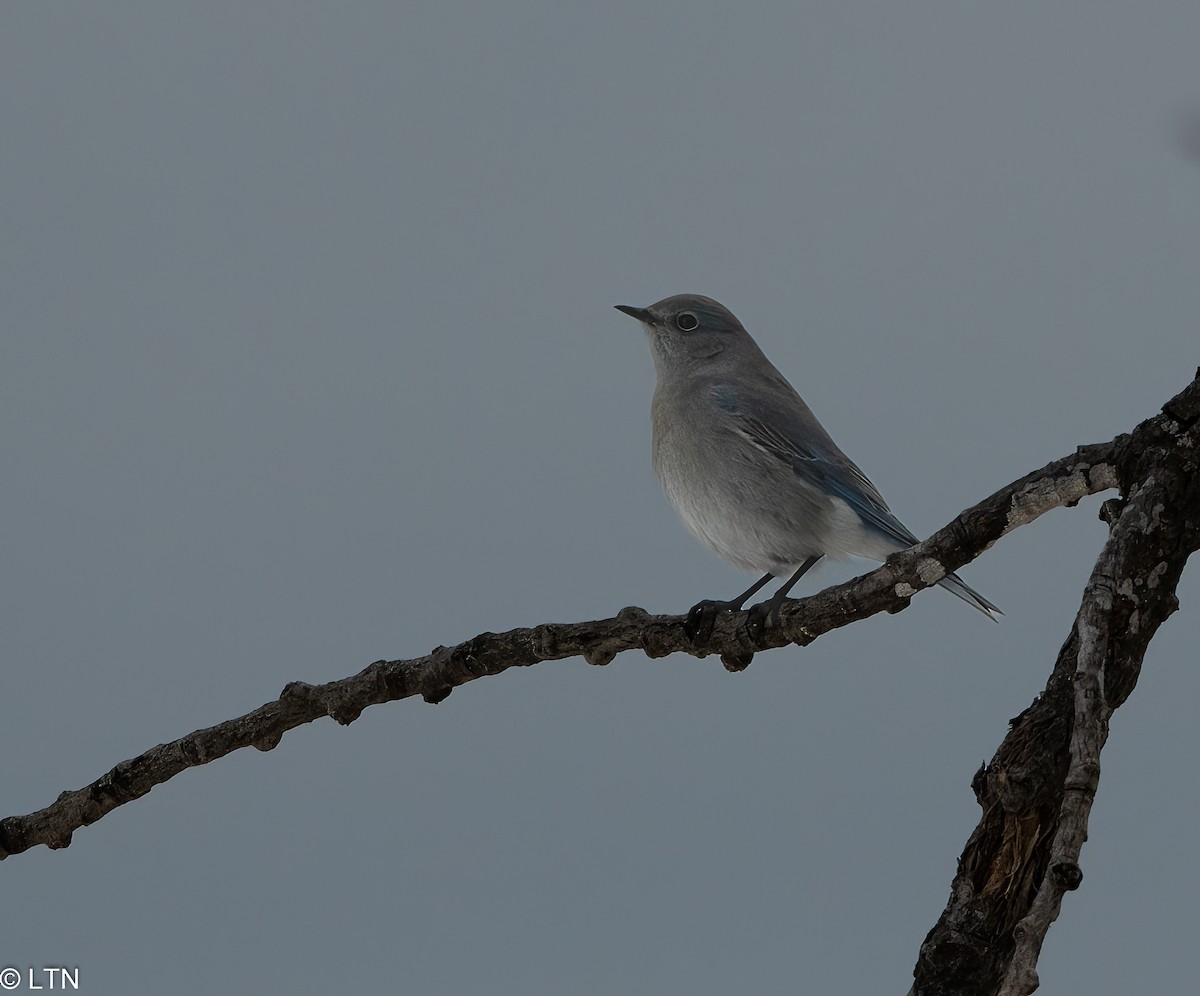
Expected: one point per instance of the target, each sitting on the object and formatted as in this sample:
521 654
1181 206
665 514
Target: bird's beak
641 314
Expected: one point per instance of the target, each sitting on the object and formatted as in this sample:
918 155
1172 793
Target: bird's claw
760 615
701 618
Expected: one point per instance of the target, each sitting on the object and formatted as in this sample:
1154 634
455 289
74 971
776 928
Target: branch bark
1036 792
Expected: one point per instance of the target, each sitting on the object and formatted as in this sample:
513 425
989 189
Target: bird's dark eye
686 322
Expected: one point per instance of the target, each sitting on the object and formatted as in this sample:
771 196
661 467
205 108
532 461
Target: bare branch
1037 792
1091 469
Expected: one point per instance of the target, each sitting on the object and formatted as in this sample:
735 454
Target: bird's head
689 329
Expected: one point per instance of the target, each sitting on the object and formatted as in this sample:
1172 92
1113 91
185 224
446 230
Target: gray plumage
745 462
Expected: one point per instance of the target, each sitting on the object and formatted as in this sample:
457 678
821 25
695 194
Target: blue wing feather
817 459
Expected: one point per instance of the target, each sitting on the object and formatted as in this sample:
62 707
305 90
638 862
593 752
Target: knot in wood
1110 510
1067 874
737 662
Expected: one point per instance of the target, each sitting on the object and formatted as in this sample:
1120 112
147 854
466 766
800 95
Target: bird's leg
703 615
761 613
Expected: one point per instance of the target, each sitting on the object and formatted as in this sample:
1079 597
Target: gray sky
308 358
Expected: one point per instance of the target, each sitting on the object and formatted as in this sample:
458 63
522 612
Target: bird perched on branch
747 465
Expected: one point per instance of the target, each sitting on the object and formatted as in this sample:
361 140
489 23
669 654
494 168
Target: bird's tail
954 584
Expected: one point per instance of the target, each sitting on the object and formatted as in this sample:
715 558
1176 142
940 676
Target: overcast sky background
308 358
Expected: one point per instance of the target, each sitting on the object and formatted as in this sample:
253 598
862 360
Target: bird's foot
762 614
702 616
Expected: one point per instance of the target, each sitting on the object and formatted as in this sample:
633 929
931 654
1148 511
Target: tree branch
1037 792
1117 595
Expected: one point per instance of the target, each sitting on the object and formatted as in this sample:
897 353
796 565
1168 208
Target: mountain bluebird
747 465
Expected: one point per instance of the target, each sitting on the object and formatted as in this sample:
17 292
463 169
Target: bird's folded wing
800 441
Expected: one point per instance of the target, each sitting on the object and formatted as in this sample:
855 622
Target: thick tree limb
1036 793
